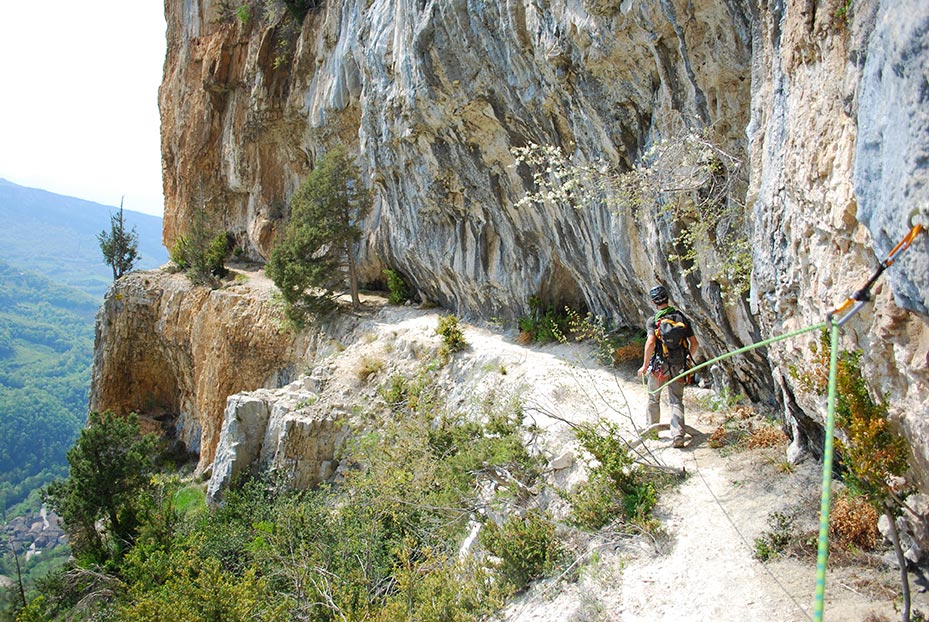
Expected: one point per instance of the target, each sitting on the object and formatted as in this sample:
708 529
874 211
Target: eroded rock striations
434 96
824 101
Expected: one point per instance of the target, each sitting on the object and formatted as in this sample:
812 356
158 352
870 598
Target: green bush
203 260
216 255
453 339
772 543
544 325
526 546
594 503
397 288
181 253
434 586
875 453
617 487
404 394
190 500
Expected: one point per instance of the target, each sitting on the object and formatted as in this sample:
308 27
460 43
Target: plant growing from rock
874 455
369 366
244 13
687 178
315 254
120 247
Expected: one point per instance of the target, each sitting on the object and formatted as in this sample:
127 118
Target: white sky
79 98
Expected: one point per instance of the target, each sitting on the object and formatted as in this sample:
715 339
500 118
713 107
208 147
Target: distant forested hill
56 236
52 280
46 348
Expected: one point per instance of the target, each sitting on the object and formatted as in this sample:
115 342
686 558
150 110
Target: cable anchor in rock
863 295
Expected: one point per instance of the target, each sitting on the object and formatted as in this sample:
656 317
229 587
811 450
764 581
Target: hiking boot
678 442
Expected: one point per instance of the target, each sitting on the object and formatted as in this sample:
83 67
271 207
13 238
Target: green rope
823 551
747 348
826 499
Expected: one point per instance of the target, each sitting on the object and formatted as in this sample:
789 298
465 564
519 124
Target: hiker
670 347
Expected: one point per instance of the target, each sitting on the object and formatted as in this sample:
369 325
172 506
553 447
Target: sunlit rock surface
827 110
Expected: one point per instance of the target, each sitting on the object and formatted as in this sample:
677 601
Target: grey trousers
675 398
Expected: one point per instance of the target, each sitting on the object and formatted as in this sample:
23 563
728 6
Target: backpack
672 331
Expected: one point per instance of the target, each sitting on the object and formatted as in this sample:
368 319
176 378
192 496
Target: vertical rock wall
838 137
891 179
826 104
168 349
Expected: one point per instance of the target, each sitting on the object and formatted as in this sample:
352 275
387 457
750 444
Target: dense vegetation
381 543
46 348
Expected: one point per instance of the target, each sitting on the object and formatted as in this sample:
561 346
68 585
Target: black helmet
658 294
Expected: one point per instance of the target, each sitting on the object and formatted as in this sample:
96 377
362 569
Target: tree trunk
904 579
352 274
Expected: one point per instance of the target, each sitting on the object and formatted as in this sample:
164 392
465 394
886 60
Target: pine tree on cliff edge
120 247
312 259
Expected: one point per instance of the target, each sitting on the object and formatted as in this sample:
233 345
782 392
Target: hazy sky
79 101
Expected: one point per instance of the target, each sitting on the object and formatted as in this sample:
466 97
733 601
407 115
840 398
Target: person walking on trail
669 349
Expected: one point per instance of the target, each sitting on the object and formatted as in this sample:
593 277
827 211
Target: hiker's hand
642 370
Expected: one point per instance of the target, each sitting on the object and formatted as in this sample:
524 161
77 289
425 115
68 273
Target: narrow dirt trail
704 567
701 566
708 572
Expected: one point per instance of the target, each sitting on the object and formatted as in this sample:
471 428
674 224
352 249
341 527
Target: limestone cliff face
839 137
433 96
829 112
170 350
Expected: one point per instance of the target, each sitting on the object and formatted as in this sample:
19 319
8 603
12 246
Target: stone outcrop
279 431
172 351
825 102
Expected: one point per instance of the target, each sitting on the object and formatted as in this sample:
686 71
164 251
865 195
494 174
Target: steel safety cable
742 537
